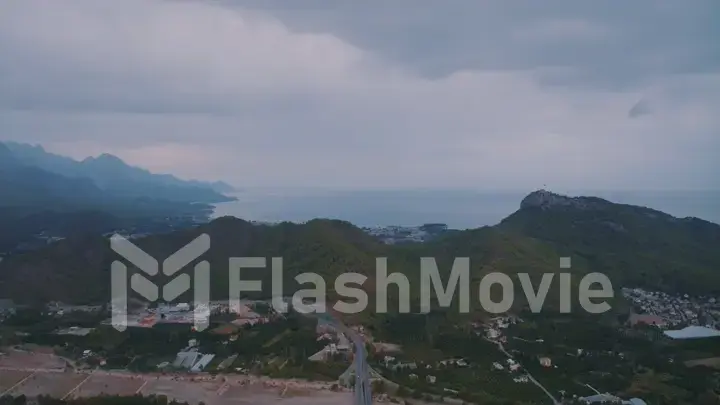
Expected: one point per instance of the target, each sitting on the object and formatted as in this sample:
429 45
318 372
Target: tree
708 398
378 386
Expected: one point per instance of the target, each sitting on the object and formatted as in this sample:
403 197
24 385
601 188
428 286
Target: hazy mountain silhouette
111 174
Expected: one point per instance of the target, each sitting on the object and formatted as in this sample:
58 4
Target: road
529 376
363 391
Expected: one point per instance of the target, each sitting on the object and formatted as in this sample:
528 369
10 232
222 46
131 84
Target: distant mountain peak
112 174
545 199
105 158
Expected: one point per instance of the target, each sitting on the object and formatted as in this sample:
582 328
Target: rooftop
693 332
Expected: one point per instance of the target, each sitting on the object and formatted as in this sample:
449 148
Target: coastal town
392 235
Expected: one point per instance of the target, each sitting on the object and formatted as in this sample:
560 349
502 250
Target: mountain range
47 193
634 246
105 176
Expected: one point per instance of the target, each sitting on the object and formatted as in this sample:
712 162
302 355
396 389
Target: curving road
363 391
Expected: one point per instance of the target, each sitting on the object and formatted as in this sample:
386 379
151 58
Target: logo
349 287
150 291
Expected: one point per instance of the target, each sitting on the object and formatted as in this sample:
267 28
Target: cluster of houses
665 310
184 313
493 330
606 398
60 309
699 316
512 365
397 234
8 307
394 365
339 345
406 234
74 331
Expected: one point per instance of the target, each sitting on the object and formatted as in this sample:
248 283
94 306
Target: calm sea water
459 209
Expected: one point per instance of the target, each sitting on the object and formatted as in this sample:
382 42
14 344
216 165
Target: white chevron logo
148 264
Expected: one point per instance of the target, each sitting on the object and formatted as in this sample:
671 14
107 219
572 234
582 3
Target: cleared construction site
32 374
220 391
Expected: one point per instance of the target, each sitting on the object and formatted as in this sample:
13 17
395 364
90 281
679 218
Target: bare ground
33 373
99 384
713 362
48 383
30 360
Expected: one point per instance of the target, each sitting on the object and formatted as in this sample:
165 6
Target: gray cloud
611 43
465 94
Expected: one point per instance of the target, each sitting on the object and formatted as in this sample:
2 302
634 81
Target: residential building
202 363
647 319
186 359
493 333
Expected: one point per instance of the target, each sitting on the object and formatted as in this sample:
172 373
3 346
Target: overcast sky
404 93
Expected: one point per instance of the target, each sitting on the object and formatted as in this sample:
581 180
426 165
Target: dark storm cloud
421 93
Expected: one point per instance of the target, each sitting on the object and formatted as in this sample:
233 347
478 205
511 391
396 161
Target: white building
186 359
202 363
325 353
692 332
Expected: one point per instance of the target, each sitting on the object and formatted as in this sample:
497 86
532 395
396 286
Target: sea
459 209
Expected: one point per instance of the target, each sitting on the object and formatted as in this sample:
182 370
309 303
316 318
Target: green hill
633 245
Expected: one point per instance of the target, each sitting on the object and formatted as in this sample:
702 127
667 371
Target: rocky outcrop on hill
545 199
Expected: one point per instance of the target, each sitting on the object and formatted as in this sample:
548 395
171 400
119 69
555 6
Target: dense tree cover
22 226
76 270
633 245
611 358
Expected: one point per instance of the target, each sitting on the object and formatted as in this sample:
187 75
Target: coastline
459 209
